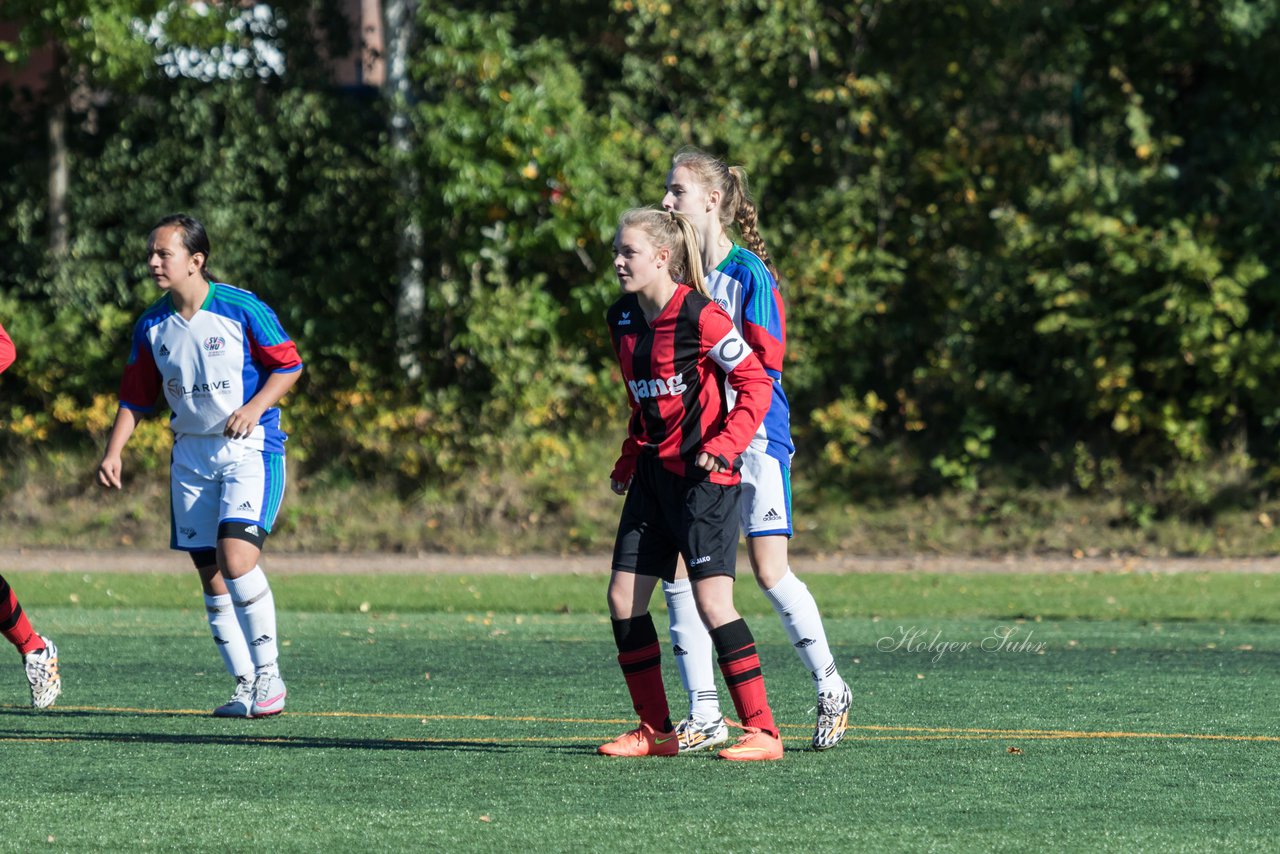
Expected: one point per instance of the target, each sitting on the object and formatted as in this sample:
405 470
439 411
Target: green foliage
1018 242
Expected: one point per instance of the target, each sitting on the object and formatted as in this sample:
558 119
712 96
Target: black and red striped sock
641 663
14 624
741 668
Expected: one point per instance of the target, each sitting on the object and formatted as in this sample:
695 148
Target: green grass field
1120 713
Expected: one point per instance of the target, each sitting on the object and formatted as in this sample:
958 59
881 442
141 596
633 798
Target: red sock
641 661
741 668
14 624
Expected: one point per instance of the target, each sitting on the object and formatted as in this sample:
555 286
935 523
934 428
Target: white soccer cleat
698 734
241 703
42 673
833 717
268 694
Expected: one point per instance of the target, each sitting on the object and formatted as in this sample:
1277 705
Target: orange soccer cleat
644 740
756 744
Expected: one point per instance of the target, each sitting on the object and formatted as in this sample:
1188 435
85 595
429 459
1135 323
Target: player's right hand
618 487
109 472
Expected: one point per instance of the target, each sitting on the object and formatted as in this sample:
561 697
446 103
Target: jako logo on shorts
643 389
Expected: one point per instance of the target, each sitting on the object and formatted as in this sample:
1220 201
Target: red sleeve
280 358
764 316
140 384
7 353
746 375
625 467
768 348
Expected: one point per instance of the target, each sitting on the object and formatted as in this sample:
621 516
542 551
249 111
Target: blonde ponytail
673 231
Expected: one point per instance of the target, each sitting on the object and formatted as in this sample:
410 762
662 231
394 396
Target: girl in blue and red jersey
221 361
39 654
679 471
743 281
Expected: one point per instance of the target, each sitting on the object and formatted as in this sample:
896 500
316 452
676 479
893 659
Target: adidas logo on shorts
772 515
248 505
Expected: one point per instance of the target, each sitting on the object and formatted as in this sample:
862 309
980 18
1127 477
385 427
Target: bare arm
241 422
110 468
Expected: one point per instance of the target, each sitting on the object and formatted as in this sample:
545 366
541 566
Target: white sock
256 611
227 635
692 649
798 611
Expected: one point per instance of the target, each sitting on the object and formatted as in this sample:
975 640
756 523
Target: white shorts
766 495
214 479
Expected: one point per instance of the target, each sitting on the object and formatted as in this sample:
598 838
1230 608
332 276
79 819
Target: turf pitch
426 728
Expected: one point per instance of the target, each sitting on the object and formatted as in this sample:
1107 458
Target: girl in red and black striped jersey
39 654
679 472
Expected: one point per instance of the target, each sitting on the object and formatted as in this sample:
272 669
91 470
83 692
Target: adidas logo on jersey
164 351
645 389
772 515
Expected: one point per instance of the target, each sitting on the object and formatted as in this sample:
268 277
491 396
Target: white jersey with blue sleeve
211 365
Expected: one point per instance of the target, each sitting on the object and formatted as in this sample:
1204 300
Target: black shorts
666 514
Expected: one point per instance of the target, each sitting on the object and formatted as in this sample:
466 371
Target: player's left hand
241 423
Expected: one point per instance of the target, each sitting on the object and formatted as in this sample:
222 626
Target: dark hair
194 237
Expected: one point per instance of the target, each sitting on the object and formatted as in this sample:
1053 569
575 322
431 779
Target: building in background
364 66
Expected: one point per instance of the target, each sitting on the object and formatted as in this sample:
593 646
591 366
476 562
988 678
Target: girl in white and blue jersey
742 279
220 360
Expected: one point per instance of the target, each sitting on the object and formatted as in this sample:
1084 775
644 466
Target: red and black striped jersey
675 370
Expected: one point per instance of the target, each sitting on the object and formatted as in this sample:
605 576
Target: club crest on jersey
215 345
645 389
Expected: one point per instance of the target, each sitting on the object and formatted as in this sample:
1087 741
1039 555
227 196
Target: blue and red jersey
676 371
743 286
211 365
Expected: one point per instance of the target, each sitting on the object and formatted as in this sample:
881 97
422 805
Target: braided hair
736 208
